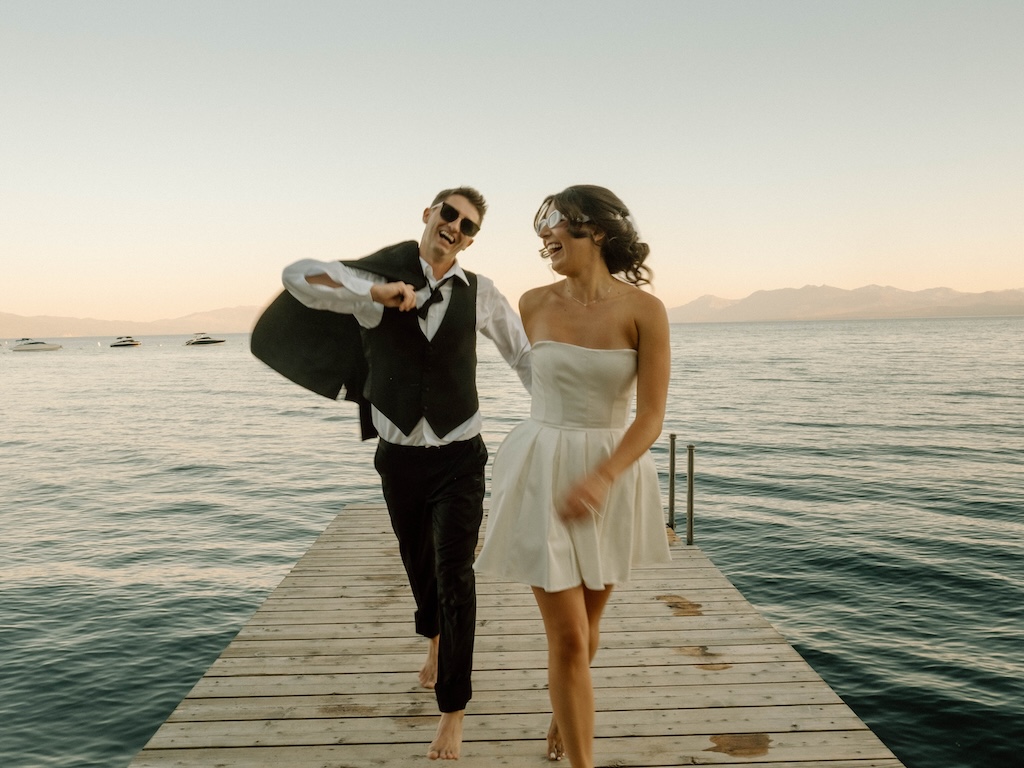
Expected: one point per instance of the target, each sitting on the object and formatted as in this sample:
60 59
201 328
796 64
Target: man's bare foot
428 674
556 750
447 743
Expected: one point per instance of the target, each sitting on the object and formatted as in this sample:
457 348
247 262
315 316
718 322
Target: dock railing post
672 488
672 481
689 495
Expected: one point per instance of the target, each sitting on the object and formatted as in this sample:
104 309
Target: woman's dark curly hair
590 208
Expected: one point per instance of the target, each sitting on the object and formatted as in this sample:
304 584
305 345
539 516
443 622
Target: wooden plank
659 641
377 629
325 675
703 658
311 707
322 613
764 750
398 730
301 682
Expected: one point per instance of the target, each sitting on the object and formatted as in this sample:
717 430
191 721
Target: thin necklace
592 301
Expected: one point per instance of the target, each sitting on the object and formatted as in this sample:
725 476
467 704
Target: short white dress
581 401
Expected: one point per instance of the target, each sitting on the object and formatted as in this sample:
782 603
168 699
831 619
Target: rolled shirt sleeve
353 298
499 322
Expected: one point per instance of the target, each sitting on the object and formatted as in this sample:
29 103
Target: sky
164 158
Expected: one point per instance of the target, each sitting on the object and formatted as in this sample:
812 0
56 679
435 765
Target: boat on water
202 338
31 345
125 341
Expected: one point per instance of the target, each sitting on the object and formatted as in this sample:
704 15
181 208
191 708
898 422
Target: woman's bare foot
556 750
447 743
428 674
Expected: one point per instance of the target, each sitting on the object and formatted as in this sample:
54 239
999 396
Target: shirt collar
455 270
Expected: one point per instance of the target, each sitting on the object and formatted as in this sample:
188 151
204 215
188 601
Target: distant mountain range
233 320
823 302
812 302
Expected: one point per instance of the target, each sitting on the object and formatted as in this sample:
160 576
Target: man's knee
456 584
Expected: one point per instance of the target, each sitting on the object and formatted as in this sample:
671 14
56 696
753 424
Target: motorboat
31 345
125 341
202 338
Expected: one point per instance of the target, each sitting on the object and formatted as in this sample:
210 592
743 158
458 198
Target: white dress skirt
581 401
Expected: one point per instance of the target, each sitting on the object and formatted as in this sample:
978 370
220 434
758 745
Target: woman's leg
595 601
572 624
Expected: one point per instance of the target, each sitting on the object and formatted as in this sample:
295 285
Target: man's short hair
467 192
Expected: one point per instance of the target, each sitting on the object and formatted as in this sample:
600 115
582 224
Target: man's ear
426 215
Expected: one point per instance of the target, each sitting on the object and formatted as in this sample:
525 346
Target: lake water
860 482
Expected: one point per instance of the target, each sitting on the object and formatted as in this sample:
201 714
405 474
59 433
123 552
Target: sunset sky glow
159 159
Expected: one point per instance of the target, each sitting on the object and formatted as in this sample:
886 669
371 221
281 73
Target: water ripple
859 482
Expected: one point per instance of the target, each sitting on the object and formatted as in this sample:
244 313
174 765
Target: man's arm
335 287
399 295
499 322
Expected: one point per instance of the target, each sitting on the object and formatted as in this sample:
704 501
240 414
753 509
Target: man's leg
405 481
457 507
435 499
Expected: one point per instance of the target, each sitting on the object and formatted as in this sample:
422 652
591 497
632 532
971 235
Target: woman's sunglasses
450 213
555 218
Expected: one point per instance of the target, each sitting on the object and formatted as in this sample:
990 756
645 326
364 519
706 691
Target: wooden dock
324 676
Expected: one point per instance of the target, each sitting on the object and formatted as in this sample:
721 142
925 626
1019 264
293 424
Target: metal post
672 481
689 495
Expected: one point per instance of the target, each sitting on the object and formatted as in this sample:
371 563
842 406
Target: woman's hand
586 498
399 295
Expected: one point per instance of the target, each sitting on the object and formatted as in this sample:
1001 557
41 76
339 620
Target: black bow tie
434 297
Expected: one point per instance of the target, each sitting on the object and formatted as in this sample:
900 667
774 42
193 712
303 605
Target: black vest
324 351
412 378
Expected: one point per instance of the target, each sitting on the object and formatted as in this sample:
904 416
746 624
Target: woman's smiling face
564 250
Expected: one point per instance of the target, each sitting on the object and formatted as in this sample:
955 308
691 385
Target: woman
575 499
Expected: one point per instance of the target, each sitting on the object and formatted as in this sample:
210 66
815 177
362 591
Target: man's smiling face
445 239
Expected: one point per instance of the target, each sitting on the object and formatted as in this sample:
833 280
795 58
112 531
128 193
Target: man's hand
400 295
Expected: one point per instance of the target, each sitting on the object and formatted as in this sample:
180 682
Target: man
418 314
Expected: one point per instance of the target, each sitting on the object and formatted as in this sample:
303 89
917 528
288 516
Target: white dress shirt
495 319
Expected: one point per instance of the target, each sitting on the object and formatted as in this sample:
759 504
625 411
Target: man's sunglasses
555 218
466 226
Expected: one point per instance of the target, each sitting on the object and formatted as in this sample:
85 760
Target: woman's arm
653 370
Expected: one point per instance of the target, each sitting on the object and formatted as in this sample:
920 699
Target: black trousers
435 499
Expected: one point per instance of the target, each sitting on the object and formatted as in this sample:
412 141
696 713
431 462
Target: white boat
202 338
31 345
125 341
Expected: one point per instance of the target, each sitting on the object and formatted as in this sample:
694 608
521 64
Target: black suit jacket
323 350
